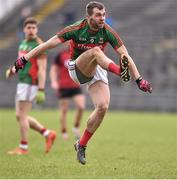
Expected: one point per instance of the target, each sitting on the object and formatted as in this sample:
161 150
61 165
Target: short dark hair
93 4
29 20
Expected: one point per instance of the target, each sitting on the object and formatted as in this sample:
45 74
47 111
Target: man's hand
40 96
20 63
144 85
10 72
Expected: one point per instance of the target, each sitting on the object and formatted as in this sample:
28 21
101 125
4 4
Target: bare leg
100 102
22 109
99 92
34 124
80 105
88 61
63 106
79 101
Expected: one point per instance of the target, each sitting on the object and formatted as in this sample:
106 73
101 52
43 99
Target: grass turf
127 145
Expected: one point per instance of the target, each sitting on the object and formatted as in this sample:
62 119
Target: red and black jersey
64 79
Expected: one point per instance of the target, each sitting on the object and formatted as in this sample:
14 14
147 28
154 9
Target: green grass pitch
127 145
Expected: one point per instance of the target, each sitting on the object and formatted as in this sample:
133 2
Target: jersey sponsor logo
82 39
88 46
101 40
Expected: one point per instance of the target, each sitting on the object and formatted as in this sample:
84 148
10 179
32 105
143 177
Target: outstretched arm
51 43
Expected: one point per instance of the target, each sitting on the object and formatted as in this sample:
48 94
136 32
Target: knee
64 111
96 51
81 107
18 117
102 109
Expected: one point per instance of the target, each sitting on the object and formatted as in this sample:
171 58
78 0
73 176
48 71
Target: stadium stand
148 29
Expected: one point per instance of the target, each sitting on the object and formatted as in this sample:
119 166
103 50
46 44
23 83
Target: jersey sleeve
70 32
66 34
113 38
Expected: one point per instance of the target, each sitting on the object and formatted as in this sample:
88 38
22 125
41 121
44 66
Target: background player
31 85
89 64
66 89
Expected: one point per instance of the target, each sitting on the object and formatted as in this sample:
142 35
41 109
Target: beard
95 24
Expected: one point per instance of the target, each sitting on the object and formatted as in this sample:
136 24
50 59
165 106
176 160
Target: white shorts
26 92
100 75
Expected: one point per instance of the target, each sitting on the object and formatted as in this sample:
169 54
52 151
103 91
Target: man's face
97 19
30 31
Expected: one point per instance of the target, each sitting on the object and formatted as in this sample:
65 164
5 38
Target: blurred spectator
66 90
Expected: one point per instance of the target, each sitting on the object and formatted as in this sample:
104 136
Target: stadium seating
148 29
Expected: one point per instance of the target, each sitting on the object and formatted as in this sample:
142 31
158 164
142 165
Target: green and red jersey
29 74
83 38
